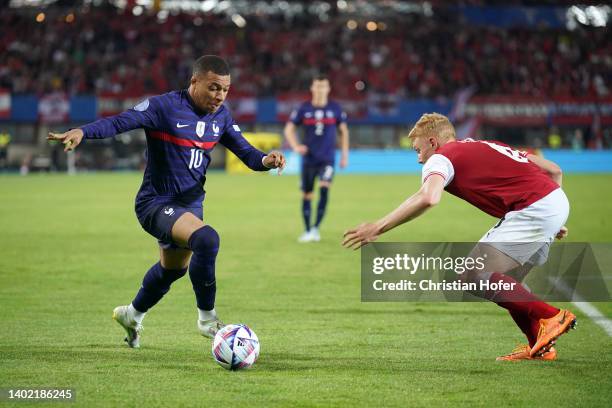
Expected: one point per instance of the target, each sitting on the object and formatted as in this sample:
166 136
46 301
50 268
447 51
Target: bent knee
204 240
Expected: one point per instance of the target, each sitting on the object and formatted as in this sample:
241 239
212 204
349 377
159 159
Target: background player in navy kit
182 127
322 119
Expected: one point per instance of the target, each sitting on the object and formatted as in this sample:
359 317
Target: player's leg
503 289
308 176
529 327
158 279
190 231
326 174
525 309
155 284
537 226
525 236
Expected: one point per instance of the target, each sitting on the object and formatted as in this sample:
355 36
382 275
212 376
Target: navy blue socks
306 213
323 194
204 243
155 285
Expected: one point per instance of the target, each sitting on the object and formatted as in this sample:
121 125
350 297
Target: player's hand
301 149
343 161
357 237
275 160
71 139
562 232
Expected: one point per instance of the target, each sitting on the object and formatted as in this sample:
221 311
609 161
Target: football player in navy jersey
322 120
182 127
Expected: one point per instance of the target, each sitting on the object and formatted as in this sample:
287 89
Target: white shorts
526 235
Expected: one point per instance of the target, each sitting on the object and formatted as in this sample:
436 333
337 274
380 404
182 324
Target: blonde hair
433 125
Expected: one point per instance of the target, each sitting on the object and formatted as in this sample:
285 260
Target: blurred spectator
5 140
105 50
554 138
577 140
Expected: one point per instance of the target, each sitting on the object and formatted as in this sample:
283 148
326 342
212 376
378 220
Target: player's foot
208 328
551 329
522 353
315 236
305 237
122 316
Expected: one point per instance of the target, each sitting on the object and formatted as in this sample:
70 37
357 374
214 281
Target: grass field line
585 307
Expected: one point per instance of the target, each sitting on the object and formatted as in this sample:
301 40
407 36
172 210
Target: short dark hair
212 63
320 77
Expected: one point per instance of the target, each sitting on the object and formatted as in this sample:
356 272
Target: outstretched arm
70 139
549 167
143 115
428 196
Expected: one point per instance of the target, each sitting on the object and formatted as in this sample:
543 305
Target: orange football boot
551 329
521 352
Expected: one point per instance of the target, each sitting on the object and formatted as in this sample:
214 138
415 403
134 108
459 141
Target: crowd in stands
110 51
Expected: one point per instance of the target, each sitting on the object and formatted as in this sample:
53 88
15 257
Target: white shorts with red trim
526 235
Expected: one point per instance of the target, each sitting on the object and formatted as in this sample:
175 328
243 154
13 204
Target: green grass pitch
71 250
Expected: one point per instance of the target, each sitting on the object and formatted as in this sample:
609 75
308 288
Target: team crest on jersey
200 128
329 114
215 129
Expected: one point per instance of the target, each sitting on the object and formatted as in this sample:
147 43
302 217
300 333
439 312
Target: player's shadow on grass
475 366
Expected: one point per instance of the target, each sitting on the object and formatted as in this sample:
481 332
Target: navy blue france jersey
180 138
320 129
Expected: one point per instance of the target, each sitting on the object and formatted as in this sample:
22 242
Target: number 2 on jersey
197 156
319 126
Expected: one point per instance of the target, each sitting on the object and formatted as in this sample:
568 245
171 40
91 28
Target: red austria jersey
489 175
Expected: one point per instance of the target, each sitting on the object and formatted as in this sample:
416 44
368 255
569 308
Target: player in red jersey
521 189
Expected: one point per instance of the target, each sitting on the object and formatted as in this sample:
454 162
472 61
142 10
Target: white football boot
122 316
209 328
305 237
315 236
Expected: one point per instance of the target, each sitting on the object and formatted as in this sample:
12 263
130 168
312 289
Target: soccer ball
235 347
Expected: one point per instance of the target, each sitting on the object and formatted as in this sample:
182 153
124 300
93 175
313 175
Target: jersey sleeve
296 116
232 139
441 165
146 114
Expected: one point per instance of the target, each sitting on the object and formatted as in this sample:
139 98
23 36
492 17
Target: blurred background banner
378 108
262 141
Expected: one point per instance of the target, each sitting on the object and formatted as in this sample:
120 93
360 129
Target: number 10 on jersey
197 156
